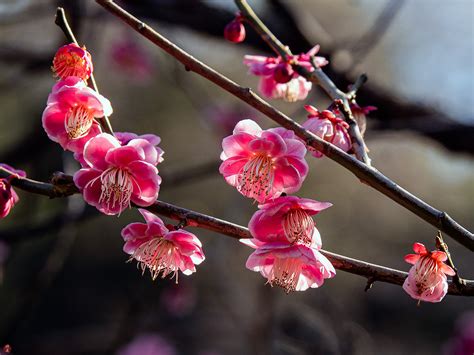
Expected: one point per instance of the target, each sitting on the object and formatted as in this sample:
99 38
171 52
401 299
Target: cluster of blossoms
264 165
118 170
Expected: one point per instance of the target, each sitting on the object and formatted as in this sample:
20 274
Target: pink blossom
328 126
288 219
8 196
278 80
72 60
115 175
69 115
132 60
294 267
263 164
162 251
234 31
427 280
154 140
147 344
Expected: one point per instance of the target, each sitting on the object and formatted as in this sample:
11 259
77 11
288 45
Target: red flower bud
283 73
234 31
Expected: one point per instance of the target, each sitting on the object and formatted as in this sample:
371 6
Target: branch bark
439 219
371 271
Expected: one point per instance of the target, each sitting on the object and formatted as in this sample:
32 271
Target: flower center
256 177
117 188
298 226
291 91
159 256
285 273
78 122
69 64
426 274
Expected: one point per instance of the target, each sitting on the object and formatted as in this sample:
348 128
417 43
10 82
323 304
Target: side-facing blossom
288 219
8 196
116 175
278 79
263 164
160 250
426 279
292 266
360 115
154 140
69 117
328 126
72 60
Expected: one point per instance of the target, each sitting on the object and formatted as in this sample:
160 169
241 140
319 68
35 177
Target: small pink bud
234 31
283 73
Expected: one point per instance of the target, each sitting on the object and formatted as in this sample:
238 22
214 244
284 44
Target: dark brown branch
195 219
62 23
441 220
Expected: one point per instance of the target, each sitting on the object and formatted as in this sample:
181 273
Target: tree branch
440 220
195 219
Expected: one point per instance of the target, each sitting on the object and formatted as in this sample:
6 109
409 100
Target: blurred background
65 286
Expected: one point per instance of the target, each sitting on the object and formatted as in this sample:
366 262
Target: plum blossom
292 266
147 344
162 251
426 279
72 60
154 140
69 117
8 196
114 176
360 115
278 79
326 125
263 164
288 219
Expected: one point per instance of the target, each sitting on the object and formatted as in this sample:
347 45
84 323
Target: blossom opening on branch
288 219
278 79
8 196
69 117
263 164
154 140
115 175
427 280
328 126
162 251
72 60
291 266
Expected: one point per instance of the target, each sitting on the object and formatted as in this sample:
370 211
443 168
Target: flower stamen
78 122
298 227
116 188
285 273
256 177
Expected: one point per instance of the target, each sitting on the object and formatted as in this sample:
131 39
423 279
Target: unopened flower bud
283 73
234 31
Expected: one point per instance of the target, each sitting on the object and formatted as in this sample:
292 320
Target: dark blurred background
65 285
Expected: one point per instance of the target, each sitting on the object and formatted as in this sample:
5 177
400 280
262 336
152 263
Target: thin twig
62 23
369 175
441 245
316 76
195 219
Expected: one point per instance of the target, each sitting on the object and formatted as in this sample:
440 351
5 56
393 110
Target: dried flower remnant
278 79
72 60
161 251
263 164
427 279
69 117
116 175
